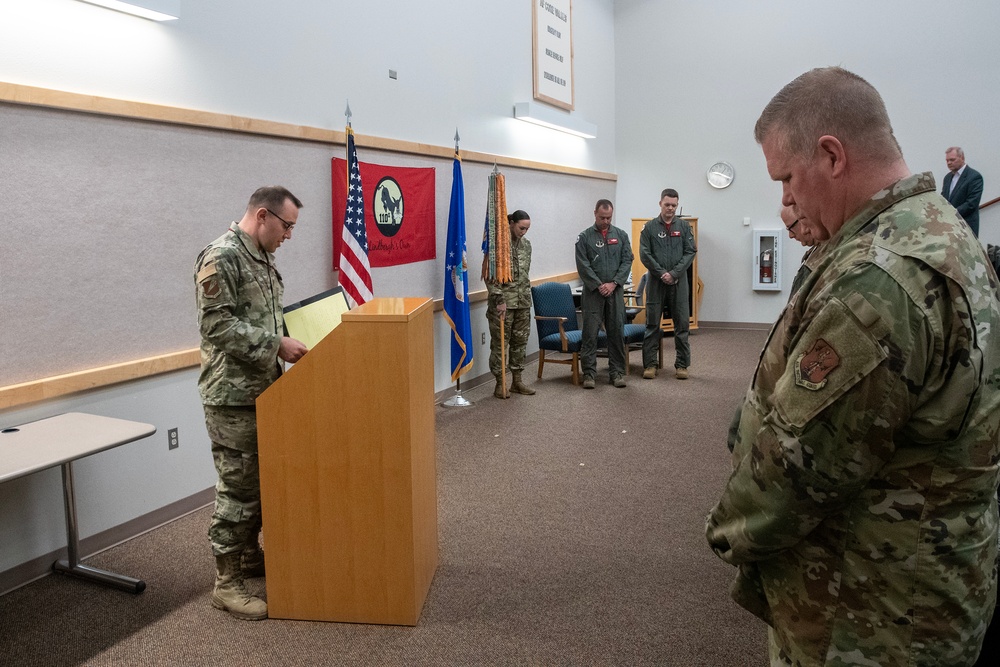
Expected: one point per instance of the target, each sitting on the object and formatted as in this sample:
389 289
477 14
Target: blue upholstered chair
634 334
635 301
558 328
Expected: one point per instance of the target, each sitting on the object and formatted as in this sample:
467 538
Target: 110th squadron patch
813 367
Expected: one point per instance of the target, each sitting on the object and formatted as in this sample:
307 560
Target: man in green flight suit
861 510
603 260
239 314
666 249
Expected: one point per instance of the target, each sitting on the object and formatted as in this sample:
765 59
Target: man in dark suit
963 187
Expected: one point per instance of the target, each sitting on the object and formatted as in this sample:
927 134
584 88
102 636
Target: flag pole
503 323
503 353
457 401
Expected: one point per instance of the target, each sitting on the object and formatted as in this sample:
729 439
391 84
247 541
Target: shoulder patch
210 288
208 281
206 271
812 368
834 353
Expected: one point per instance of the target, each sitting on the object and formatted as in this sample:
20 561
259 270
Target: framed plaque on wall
552 52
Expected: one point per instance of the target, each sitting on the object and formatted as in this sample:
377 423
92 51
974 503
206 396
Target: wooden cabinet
638 270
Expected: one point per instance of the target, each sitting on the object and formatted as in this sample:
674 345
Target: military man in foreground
861 509
240 317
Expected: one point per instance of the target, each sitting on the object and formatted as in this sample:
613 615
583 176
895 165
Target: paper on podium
310 320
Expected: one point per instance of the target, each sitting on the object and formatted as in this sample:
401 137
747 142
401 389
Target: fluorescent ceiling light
539 114
155 10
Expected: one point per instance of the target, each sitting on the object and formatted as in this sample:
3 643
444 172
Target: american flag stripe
355 270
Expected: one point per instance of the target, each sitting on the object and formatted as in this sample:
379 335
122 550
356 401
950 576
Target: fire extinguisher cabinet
766 260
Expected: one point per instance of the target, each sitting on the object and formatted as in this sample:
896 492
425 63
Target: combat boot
230 592
521 388
252 560
501 391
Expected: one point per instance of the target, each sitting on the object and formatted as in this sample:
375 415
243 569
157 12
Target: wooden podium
348 472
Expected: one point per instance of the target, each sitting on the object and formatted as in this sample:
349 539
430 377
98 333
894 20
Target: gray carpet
571 533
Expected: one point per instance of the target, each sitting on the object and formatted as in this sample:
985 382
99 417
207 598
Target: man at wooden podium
239 314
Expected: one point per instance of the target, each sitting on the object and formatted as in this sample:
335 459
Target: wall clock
720 175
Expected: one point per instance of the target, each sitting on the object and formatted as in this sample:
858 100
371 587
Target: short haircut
272 197
669 192
518 216
604 203
829 101
958 151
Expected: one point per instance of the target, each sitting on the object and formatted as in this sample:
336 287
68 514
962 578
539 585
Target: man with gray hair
861 510
963 187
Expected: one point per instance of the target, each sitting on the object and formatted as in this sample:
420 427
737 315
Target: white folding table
58 441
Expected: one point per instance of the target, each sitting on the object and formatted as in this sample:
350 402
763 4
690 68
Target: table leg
71 565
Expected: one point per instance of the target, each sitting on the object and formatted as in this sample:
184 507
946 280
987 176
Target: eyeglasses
790 227
289 225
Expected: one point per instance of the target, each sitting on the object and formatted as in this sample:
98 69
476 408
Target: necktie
954 182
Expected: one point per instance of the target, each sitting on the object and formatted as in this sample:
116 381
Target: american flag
355 271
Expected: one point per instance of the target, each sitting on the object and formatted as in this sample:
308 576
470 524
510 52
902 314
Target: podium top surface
392 309
45 443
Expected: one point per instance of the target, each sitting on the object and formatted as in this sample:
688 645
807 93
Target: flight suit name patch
813 367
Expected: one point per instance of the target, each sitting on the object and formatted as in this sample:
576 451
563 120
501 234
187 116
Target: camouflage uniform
663 248
861 510
239 313
603 260
517 295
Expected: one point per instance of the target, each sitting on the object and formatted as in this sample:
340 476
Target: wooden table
58 441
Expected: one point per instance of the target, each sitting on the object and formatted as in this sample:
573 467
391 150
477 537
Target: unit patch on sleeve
208 279
813 367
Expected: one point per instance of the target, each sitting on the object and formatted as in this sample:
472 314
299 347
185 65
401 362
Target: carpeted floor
571 533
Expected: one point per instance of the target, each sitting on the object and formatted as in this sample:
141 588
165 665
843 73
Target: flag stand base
457 401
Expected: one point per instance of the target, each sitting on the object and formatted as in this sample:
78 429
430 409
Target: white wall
459 64
692 78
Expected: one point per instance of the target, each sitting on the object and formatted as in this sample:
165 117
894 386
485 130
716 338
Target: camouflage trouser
517 328
237 519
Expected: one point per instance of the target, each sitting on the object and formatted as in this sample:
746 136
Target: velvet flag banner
399 212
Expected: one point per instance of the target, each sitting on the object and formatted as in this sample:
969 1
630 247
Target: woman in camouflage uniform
510 303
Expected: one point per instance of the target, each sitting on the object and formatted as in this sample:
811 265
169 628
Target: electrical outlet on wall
172 441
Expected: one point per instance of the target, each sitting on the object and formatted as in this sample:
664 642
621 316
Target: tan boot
521 388
252 560
230 592
501 390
